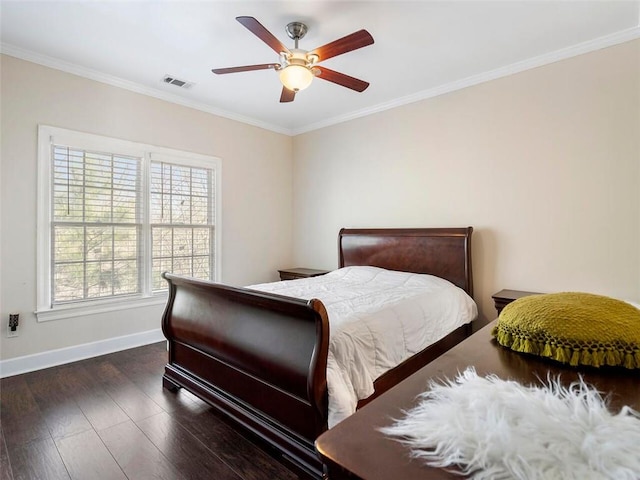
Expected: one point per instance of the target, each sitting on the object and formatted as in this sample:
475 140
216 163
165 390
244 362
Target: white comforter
378 318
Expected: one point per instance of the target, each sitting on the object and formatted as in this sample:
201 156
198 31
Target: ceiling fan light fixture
296 77
296 67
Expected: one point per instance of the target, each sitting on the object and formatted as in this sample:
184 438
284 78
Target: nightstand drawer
293 273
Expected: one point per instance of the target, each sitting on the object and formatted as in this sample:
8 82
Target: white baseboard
52 358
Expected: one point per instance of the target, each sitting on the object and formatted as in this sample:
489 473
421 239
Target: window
113 215
181 229
96 226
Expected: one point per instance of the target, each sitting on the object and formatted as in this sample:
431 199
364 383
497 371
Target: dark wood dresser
355 449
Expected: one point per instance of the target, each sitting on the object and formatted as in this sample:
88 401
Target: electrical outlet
12 326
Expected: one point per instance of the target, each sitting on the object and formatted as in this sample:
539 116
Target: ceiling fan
298 67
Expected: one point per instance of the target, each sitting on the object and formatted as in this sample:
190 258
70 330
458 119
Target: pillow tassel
561 354
504 336
586 358
613 357
598 358
629 361
575 358
528 346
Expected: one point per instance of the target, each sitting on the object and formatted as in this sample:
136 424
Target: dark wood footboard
257 357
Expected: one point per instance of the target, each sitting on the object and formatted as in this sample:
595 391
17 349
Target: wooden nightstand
505 297
293 273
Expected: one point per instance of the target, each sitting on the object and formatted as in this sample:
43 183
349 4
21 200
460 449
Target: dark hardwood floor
109 418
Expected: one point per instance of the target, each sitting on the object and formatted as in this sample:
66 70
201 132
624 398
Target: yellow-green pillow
573 328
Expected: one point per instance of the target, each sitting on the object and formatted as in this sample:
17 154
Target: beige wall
545 165
256 191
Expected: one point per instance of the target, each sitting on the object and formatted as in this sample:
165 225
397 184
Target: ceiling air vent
171 80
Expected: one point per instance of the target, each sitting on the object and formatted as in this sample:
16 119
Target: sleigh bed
261 358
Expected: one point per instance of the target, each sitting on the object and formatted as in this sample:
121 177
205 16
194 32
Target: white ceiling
421 49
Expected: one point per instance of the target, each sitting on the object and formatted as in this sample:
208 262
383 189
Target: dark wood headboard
443 252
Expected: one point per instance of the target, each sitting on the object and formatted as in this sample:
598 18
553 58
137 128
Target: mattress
377 319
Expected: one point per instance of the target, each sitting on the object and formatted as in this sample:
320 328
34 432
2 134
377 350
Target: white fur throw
495 429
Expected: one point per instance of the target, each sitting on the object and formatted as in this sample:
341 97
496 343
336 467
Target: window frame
47 136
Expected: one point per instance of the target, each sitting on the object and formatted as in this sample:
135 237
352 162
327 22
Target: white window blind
113 215
96 225
181 220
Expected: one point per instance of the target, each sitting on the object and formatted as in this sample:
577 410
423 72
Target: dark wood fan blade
255 27
246 68
356 40
342 79
287 95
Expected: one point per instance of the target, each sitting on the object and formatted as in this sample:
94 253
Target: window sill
70 311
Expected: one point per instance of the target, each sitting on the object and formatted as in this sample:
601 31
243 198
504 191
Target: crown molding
539 61
57 64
